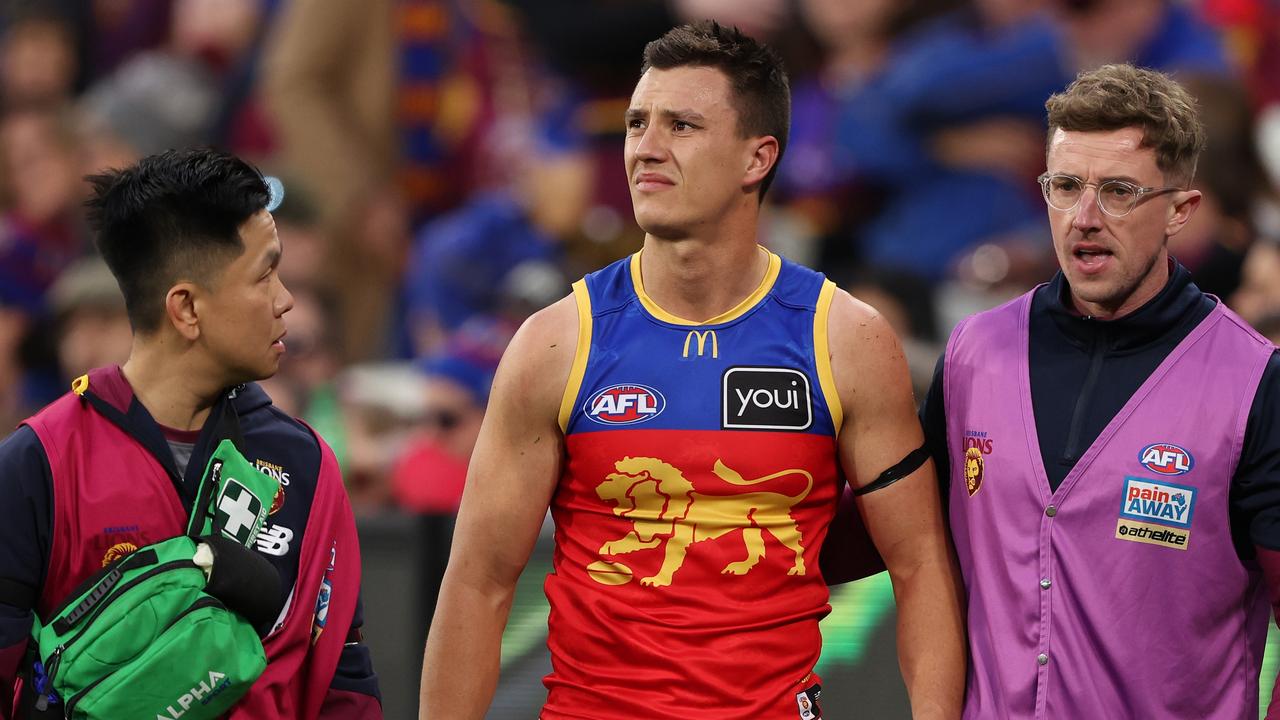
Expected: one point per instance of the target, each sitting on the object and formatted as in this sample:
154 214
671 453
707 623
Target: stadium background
451 165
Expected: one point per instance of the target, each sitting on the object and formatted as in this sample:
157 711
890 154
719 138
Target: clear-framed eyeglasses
1116 198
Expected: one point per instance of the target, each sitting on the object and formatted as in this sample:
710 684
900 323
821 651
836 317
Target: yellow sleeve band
579 368
822 354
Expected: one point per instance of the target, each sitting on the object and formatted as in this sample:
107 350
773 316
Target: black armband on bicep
905 467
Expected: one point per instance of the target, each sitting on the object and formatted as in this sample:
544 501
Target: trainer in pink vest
1120 595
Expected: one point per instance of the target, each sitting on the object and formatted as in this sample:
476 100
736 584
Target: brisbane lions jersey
700 478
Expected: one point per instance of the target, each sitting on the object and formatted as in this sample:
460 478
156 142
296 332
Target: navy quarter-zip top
1084 370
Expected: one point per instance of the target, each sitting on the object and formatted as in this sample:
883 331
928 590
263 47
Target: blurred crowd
451 165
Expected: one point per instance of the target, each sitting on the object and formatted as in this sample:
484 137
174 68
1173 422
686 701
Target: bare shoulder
860 335
536 365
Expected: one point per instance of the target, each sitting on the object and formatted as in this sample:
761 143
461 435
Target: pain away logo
667 512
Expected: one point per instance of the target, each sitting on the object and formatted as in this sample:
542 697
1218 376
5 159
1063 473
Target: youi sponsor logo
765 398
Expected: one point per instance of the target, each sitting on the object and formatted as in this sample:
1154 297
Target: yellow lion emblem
117 551
973 470
664 509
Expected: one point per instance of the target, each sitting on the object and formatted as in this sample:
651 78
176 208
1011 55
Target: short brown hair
1114 97
761 90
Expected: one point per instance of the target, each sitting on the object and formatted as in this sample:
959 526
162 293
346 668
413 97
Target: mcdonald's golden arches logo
702 338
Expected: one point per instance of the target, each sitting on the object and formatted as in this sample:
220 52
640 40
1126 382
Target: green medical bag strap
234 497
102 583
228 426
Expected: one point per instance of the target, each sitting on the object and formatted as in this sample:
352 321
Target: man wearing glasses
1109 440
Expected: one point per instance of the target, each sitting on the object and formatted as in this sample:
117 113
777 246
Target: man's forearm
464 644
931 639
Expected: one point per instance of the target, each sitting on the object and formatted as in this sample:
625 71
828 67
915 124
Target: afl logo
1166 459
625 405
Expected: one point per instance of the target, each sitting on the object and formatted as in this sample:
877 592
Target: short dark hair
172 217
1114 97
761 90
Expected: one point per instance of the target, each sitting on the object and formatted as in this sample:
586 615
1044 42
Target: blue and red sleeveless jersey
700 478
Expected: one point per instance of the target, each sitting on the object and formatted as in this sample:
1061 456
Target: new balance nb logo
274 540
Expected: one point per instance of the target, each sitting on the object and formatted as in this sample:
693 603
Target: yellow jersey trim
766 284
822 355
579 368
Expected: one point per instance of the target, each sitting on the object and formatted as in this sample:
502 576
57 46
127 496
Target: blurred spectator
1258 298
1233 182
455 392
500 253
907 303
226 37
1163 34
819 181
429 477
187 91
298 227
383 107
381 402
1270 328
39 153
38 60
955 135
15 399
956 125
92 326
329 79
26 383
311 363
154 102
596 43
113 31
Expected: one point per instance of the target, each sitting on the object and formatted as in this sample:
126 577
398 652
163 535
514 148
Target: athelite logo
202 693
1156 512
1166 459
626 404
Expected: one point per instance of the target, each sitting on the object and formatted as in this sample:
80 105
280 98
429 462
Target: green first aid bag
234 498
168 631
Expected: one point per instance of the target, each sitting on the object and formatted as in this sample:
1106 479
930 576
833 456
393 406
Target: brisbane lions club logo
667 513
117 551
976 445
973 468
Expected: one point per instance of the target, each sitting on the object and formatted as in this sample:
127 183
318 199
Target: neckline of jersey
766 284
